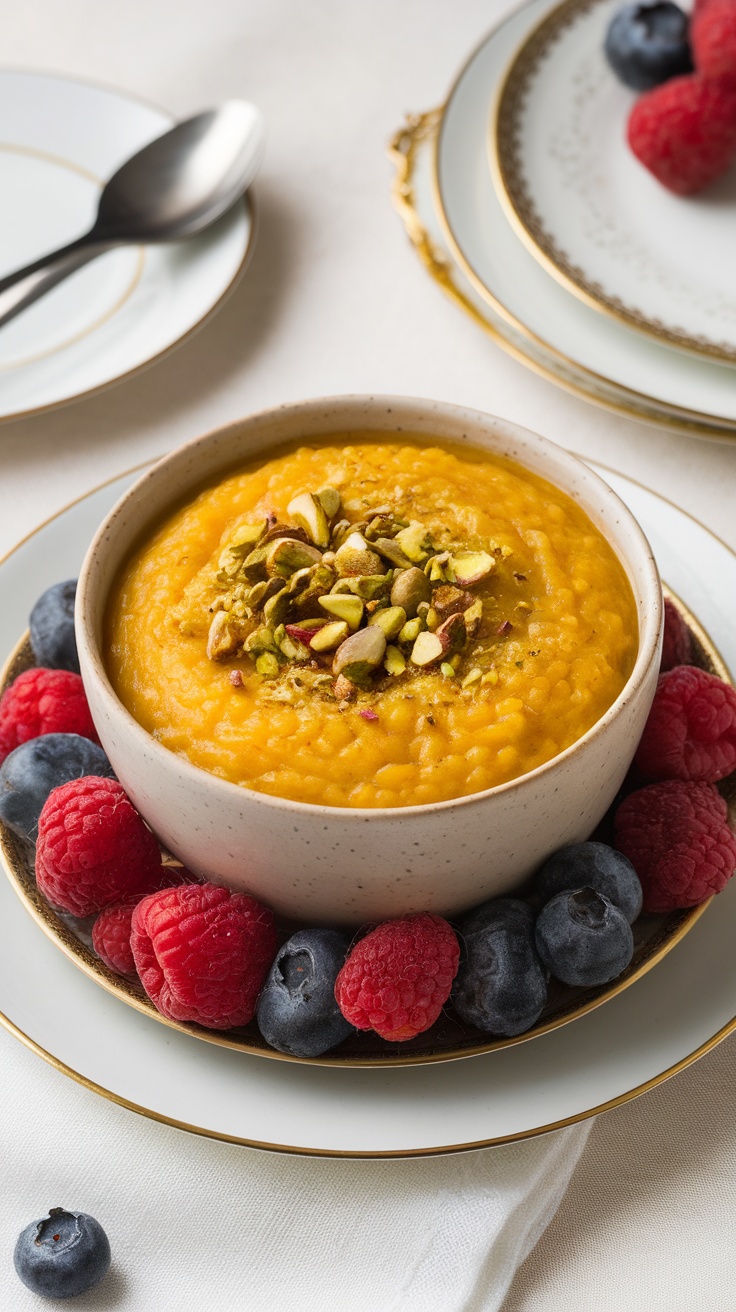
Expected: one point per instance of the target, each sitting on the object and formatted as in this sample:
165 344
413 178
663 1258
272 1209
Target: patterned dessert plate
666 1019
584 206
531 314
59 141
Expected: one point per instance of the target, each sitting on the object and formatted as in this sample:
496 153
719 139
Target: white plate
527 300
681 1008
593 216
59 142
415 197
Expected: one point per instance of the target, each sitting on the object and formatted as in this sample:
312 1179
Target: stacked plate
525 202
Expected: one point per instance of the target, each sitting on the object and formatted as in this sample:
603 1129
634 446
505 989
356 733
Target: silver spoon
174 187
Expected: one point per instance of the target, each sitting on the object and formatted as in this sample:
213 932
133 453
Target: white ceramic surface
531 306
59 141
594 216
328 863
682 1006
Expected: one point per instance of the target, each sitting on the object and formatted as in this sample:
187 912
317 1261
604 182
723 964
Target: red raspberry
202 953
93 847
397 979
43 701
713 40
677 838
684 132
677 647
691 730
111 930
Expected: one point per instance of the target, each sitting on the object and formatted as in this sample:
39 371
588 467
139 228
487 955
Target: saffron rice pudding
383 623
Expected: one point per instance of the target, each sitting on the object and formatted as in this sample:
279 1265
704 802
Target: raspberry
397 979
684 132
93 847
677 647
111 930
691 730
43 701
676 835
202 953
713 40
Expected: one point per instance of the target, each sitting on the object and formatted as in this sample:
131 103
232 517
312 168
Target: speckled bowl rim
650 625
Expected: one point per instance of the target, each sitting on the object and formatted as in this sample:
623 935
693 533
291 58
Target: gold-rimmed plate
588 211
668 1018
60 139
449 1039
446 197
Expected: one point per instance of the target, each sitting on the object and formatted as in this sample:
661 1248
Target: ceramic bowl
339 865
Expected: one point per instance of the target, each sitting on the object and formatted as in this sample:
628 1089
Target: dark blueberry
31 771
648 43
583 938
297 1012
52 628
592 865
501 985
62 1254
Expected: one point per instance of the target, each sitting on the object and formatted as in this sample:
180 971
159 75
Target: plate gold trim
425 128
443 1150
509 177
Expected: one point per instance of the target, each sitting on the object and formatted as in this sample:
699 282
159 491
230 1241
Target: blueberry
583 938
648 43
501 985
592 865
297 1011
62 1254
31 771
52 628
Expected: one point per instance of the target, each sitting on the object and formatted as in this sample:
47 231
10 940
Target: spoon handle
26 285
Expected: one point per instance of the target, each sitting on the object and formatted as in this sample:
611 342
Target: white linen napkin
198 1224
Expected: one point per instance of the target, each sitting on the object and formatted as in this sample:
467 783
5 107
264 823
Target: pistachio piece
306 631
278 530
254 565
370 586
293 651
330 501
390 550
308 586
473 676
340 531
329 637
415 542
267 665
344 690
285 556
246 536
383 524
354 556
276 608
448 600
410 588
360 654
447 669
452 634
309 513
261 592
412 629
473 616
260 640
393 661
472 566
427 649
432 619
391 621
344 607
223 638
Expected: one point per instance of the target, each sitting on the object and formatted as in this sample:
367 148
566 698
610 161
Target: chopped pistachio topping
341 607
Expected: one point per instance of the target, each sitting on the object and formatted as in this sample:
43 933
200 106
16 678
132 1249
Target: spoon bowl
173 188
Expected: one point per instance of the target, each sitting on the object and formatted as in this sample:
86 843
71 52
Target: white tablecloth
335 301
